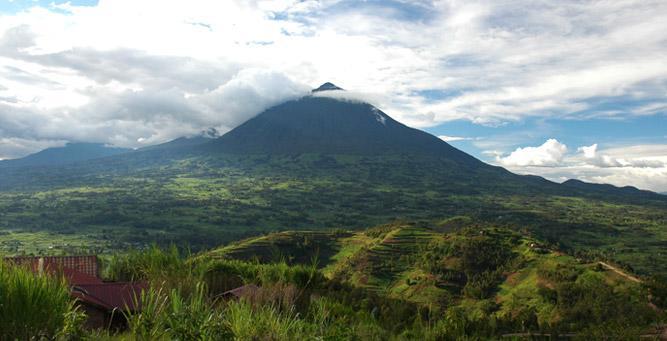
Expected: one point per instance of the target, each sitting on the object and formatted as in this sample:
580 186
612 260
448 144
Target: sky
562 89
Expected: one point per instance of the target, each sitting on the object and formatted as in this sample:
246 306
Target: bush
174 316
36 306
164 268
263 323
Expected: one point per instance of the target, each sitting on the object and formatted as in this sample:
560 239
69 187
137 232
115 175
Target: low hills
484 271
70 153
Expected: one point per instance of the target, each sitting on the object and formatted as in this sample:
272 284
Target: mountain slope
315 124
70 153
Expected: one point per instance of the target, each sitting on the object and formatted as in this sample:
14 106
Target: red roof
84 264
81 273
77 278
116 295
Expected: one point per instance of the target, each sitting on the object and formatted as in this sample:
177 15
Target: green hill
485 273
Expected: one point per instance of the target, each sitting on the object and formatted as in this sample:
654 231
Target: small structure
103 302
246 291
87 265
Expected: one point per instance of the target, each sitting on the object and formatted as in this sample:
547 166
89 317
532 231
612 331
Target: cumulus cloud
549 154
646 169
589 151
126 97
592 157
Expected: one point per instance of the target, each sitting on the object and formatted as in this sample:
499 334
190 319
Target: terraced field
293 247
386 260
421 265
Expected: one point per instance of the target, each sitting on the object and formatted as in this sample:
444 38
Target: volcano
333 125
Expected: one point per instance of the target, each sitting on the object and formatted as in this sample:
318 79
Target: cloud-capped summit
327 87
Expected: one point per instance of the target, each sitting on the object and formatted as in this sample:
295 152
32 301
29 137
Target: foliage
172 316
34 306
658 290
161 267
207 201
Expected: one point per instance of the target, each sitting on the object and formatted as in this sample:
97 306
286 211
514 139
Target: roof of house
84 264
77 278
110 296
81 272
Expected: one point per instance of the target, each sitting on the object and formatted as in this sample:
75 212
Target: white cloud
642 166
589 151
156 76
453 138
549 154
592 157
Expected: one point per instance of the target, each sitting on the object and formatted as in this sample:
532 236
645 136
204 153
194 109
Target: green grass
35 306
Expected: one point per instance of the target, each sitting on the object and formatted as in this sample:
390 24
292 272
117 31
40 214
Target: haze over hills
71 152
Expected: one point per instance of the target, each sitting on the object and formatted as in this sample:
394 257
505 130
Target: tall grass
35 306
264 323
166 268
173 316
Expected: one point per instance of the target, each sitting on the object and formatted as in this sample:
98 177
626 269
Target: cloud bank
646 168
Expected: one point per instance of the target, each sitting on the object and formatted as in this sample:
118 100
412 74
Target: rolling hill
488 273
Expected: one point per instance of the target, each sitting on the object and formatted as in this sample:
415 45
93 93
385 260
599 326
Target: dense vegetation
35 307
474 283
204 203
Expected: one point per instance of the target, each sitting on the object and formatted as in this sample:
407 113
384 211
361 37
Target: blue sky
567 89
534 131
14 6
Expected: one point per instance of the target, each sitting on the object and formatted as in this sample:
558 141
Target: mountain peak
323 125
328 86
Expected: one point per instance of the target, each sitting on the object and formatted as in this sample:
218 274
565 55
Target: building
105 303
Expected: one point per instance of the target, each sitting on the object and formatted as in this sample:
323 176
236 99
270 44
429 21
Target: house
103 302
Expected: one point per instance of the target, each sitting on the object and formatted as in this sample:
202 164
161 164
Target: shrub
174 316
165 268
263 323
35 306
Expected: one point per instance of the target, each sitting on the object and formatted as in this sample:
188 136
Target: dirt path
620 272
636 280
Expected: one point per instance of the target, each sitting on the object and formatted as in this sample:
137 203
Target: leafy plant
35 306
